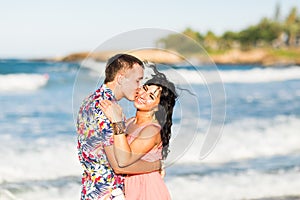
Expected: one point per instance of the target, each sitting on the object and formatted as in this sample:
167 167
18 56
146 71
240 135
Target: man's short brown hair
119 62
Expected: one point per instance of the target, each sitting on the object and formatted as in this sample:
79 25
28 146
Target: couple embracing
125 156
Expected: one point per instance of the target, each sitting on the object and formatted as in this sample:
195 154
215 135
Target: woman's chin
137 105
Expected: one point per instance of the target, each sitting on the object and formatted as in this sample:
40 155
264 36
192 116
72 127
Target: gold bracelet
118 127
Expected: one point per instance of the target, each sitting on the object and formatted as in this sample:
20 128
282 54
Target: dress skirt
148 186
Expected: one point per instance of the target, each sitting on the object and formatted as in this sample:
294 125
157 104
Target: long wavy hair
166 105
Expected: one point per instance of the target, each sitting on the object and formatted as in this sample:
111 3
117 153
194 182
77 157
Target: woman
146 135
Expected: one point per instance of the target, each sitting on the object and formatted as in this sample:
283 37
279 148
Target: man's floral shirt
94 133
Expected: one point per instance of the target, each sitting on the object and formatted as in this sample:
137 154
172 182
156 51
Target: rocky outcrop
152 55
255 56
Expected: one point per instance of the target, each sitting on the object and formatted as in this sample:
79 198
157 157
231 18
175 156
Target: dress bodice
156 152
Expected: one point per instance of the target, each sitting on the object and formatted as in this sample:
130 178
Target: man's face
132 80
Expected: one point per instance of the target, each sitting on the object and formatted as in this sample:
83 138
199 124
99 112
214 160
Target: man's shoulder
96 95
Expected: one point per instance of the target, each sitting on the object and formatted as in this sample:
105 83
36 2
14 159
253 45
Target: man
123 75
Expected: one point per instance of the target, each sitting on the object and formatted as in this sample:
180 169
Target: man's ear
120 78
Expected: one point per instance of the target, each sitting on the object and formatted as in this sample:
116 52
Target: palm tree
292 27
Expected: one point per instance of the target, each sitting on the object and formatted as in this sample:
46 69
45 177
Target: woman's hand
112 110
162 173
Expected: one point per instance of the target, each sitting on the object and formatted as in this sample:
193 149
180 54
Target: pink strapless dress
149 186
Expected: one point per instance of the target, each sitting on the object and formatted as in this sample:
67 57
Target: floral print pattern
94 133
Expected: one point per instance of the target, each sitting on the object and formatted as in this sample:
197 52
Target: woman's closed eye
145 88
152 96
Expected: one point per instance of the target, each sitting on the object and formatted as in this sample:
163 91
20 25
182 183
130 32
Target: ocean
249 124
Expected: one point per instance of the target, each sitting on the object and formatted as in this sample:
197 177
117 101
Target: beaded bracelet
118 127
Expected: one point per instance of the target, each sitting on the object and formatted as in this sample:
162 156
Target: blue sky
32 28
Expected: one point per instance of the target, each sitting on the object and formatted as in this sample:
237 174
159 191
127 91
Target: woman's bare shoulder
129 120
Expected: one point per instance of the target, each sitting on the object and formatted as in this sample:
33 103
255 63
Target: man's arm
138 167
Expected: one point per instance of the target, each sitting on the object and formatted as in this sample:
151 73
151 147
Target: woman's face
147 97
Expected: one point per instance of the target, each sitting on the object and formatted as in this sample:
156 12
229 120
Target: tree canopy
275 33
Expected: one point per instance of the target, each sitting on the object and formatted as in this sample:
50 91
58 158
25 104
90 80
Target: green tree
193 34
261 34
269 30
292 26
229 40
266 33
180 43
211 41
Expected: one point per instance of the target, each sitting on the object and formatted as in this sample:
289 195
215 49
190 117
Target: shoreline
265 57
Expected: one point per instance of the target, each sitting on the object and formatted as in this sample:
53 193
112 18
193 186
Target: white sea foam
21 82
256 75
247 185
42 159
183 76
64 192
39 169
95 66
244 139
228 186
57 157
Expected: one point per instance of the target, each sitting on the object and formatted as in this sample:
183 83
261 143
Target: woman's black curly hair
166 105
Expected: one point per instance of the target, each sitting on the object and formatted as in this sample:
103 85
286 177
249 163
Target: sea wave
40 159
94 66
64 188
52 165
22 82
255 75
31 67
241 140
197 75
45 158
248 185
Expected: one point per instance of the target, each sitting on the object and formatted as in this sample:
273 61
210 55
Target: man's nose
138 90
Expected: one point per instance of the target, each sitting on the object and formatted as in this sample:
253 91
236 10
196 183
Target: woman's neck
144 116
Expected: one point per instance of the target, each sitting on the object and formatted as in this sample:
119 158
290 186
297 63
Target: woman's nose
142 93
